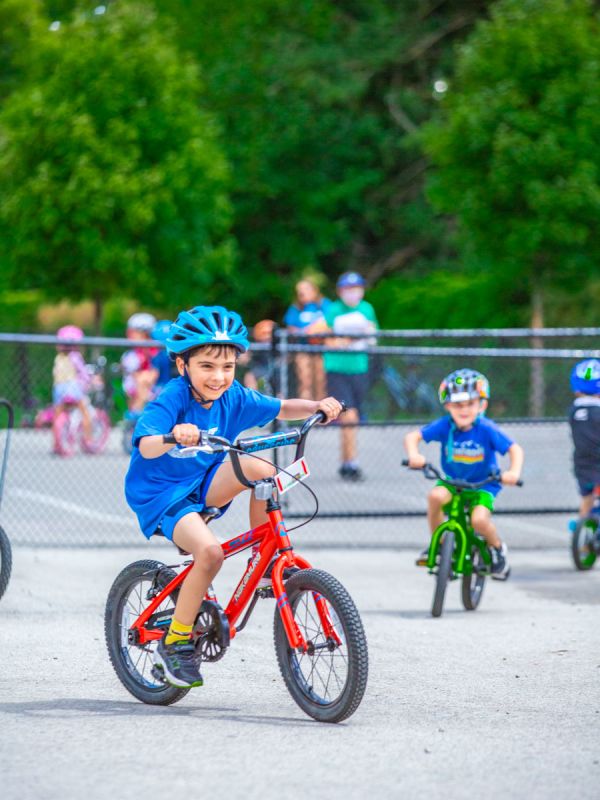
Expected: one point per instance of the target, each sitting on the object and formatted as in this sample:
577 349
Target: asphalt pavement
502 702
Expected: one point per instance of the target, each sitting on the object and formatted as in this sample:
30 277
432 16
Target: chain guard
211 631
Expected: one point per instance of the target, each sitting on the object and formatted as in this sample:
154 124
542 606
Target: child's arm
300 409
416 460
186 434
513 473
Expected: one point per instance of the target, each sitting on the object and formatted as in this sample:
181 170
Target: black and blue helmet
585 376
204 325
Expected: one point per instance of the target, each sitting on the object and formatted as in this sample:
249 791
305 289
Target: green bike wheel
472 585
583 543
443 573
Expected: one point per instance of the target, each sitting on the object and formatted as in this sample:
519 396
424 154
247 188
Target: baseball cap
350 279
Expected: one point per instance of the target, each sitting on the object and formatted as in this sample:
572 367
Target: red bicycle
320 642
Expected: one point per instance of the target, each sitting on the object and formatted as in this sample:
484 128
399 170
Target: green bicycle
456 550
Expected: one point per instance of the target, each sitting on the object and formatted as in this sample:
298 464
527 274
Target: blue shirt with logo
469 455
152 485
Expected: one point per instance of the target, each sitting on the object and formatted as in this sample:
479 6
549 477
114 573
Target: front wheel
584 543
5 561
443 573
96 442
65 442
329 680
472 585
133 663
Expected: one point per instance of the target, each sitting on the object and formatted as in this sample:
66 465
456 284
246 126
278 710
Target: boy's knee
212 557
480 517
438 497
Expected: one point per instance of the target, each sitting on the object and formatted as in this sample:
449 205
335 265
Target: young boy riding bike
469 446
168 493
584 419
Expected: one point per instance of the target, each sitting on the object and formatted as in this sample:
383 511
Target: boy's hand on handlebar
186 434
331 407
417 461
510 478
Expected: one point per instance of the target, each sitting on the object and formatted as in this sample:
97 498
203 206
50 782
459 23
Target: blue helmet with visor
206 325
585 376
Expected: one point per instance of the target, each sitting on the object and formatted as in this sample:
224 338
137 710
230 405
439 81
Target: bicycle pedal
158 673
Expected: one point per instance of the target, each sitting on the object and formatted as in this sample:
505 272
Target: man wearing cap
349 317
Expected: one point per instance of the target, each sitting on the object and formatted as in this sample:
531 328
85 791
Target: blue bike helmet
585 376
160 332
203 325
463 384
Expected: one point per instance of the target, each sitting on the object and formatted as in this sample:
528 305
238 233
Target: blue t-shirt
469 455
152 485
303 317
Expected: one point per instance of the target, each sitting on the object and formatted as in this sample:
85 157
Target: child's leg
192 534
225 486
86 420
348 422
481 520
585 506
438 497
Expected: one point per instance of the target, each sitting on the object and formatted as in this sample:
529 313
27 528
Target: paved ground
502 702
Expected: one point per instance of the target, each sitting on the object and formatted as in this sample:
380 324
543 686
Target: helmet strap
197 396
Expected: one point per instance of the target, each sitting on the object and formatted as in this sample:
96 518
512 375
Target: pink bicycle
68 431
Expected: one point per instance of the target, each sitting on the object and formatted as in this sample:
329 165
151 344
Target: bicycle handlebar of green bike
432 473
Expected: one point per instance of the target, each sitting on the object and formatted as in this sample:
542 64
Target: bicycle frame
465 539
272 537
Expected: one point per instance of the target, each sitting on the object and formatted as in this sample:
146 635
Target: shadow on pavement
69 707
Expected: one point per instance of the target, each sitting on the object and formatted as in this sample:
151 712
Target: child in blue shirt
469 446
168 493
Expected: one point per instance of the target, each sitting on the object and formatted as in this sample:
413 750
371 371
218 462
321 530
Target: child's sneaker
422 558
351 472
178 663
266 581
500 567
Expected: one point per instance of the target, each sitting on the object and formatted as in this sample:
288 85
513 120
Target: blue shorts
585 487
195 501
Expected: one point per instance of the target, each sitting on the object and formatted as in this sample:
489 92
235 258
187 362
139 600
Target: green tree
112 180
515 148
320 103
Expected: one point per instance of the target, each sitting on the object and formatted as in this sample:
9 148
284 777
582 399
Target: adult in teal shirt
350 316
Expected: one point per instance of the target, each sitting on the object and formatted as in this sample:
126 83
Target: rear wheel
134 663
443 573
5 561
329 680
584 543
472 585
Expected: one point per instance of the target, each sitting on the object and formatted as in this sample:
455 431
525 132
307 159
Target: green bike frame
465 539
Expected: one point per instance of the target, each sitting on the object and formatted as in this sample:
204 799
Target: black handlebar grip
168 438
405 462
519 483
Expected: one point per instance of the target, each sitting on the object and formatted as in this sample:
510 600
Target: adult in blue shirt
168 493
305 316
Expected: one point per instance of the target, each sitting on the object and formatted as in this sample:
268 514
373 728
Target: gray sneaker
500 567
178 664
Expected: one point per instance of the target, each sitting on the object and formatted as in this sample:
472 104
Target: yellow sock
178 632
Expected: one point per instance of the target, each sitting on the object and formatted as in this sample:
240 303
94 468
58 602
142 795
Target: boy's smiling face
211 370
466 412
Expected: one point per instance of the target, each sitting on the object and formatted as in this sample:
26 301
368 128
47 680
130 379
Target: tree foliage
516 148
112 179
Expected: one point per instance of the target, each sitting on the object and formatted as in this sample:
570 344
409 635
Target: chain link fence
78 500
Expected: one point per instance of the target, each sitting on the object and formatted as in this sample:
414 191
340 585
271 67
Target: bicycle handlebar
432 473
209 443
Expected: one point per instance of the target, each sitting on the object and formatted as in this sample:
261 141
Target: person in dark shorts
584 419
347 373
